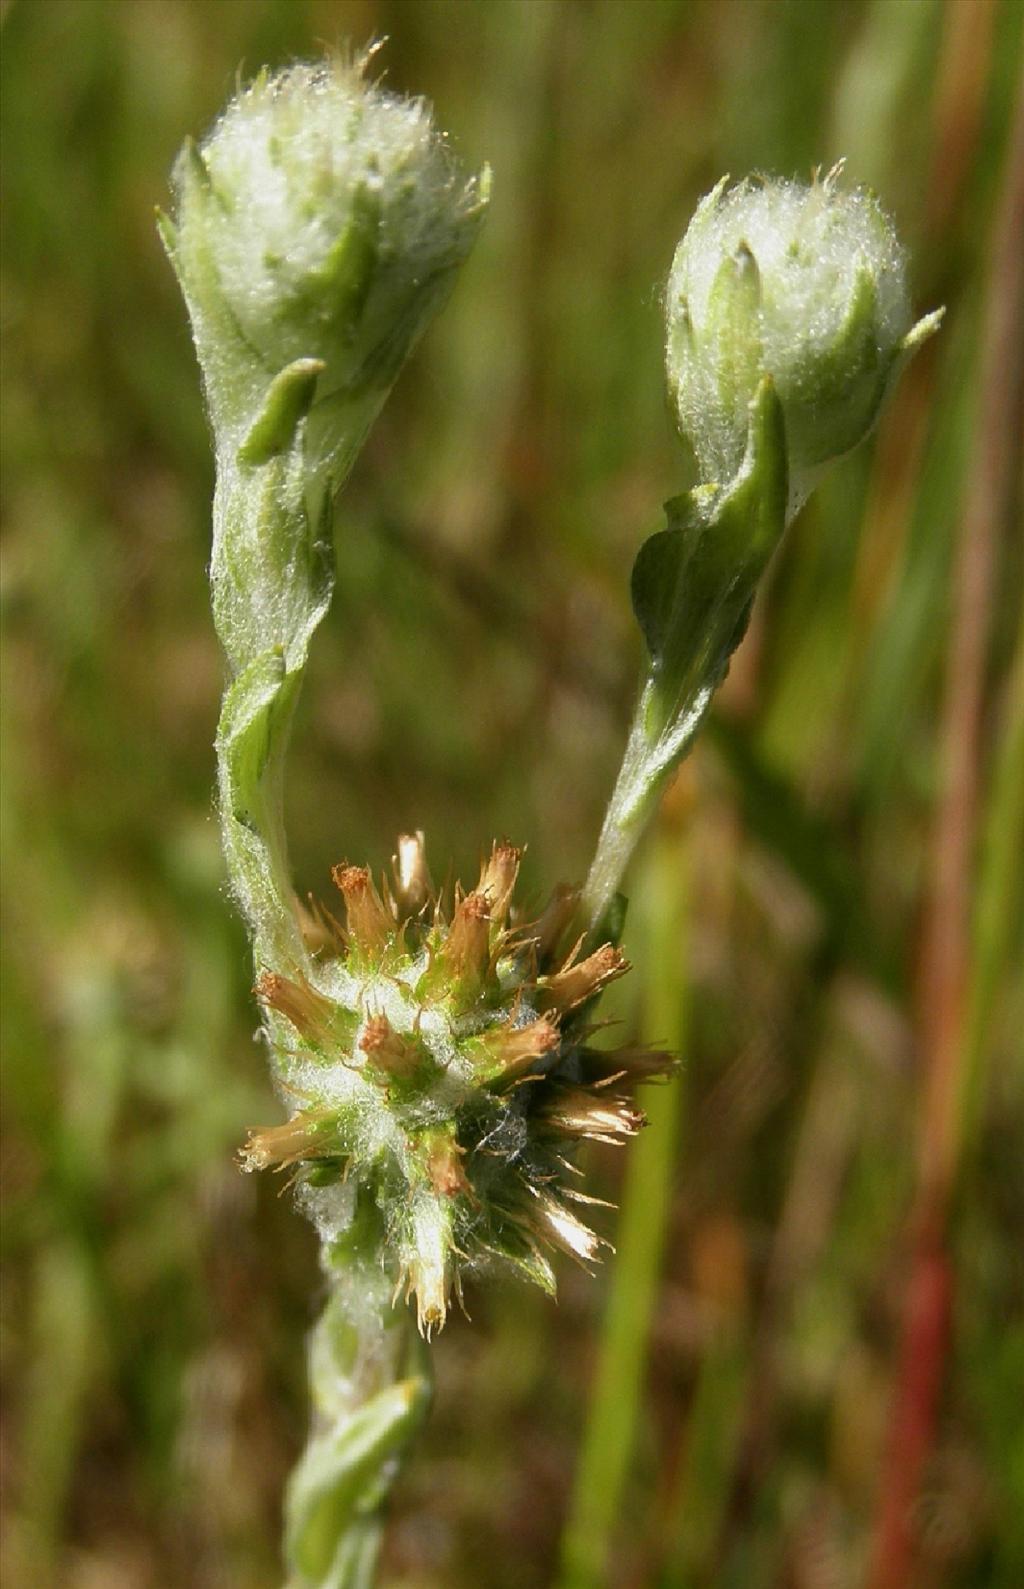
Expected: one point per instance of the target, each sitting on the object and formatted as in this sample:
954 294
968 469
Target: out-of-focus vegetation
805 1365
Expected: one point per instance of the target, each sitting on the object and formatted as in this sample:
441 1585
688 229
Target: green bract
806 284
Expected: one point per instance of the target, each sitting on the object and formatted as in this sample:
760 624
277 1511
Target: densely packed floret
443 1074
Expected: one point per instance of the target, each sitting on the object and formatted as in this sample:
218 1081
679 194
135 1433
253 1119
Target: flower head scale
442 1058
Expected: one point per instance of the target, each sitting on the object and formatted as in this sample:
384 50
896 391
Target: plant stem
647 764
693 587
272 578
631 803
370 1385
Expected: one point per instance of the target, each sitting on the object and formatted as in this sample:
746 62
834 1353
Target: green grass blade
617 1395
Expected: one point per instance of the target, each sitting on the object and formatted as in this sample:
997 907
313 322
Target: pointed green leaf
245 737
693 582
347 273
926 327
658 568
653 585
693 588
286 404
856 342
343 1474
748 524
168 232
732 326
194 169
251 739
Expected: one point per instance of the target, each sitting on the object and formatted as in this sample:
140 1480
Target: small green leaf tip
288 398
806 283
320 219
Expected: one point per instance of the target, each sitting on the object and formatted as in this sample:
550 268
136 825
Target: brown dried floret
510 1051
554 922
369 923
305 1136
602 1116
444 1166
498 879
632 1062
565 989
311 1013
466 951
394 1054
556 1224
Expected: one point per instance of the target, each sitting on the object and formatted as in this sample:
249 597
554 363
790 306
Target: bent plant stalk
433 1052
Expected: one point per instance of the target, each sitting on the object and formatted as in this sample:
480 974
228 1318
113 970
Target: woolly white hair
288 157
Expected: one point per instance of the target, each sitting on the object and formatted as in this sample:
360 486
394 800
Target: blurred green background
805 1365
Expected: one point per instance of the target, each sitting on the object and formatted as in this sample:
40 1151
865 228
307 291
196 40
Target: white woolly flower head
322 218
805 283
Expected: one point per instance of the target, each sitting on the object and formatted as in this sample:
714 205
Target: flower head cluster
444 1075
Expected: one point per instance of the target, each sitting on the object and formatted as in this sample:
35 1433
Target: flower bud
316 229
806 284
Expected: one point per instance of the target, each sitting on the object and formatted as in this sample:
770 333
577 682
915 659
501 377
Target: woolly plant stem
647 765
693 585
315 232
369 1376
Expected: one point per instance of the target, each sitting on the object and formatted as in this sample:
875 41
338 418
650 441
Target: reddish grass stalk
946 949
